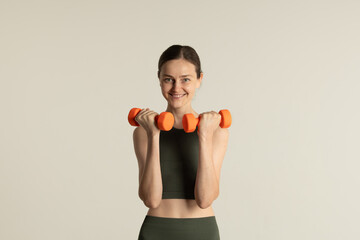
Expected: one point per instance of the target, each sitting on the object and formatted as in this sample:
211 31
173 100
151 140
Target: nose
176 85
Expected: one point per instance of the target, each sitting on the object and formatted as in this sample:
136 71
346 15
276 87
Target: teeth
177 95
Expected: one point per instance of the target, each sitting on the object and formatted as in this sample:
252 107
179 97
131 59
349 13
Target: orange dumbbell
164 121
190 122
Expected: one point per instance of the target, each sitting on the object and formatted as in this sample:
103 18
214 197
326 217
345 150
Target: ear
200 79
158 76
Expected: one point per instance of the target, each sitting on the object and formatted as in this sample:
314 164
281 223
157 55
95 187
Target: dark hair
178 52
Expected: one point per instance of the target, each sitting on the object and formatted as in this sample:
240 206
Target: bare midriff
180 208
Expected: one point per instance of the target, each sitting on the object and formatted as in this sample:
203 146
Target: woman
179 172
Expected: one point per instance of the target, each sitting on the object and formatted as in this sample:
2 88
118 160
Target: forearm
206 185
150 188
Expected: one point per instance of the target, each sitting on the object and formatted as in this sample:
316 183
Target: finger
148 112
144 111
140 114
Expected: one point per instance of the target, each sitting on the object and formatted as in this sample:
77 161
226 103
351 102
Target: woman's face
179 82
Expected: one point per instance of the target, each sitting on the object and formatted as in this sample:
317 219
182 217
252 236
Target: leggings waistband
165 228
162 220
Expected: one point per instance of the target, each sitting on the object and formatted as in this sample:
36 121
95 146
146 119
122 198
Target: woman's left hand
209 122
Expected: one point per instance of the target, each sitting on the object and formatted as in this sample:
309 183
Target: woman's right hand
146 119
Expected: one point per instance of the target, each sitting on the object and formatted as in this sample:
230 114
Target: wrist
205 136
153 135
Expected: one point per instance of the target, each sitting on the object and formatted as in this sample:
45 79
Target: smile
177 96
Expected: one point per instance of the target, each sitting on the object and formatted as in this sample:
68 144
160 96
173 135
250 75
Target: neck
179 113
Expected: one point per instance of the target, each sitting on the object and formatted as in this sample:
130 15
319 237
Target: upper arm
220 142
140 147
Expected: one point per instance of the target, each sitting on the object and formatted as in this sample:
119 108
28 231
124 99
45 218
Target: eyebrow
186 75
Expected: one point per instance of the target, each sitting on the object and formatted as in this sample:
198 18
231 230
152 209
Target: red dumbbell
164 121
190 122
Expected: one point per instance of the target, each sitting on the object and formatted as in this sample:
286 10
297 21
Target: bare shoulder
140 139
220 142
140 147
139 133
221 135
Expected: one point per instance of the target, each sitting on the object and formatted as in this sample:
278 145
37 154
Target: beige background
288 71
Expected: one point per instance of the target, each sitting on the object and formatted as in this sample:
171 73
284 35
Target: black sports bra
179 155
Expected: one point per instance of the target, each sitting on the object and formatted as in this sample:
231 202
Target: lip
183 95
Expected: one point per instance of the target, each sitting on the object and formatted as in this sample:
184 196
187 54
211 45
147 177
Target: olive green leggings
161 228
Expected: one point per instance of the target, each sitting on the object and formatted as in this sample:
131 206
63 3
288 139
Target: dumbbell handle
190 122
164 121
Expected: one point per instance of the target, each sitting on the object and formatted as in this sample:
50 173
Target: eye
186 79
167 79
